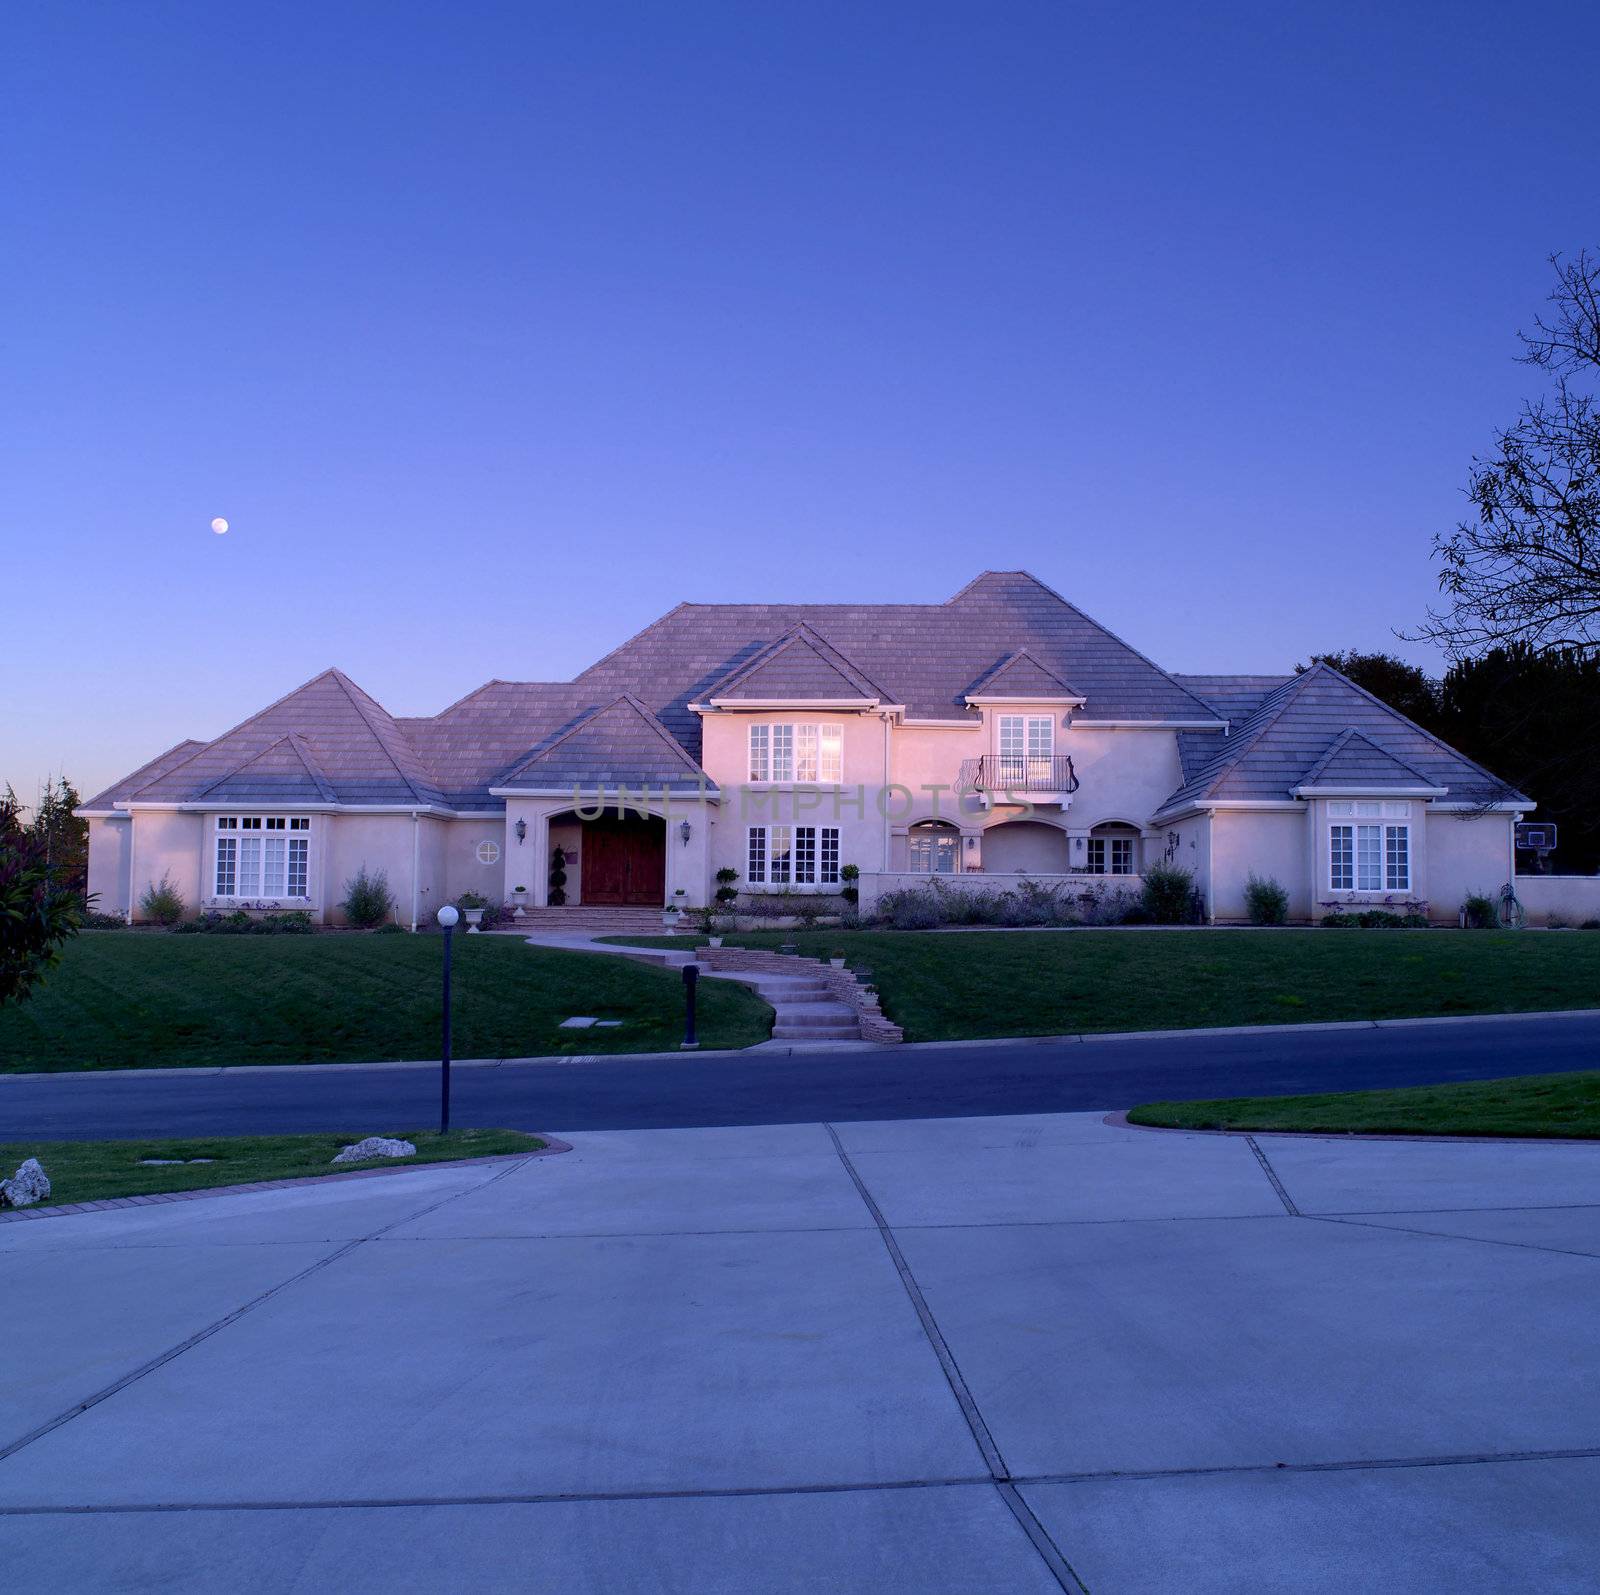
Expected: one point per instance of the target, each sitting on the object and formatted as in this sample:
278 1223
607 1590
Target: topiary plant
558 878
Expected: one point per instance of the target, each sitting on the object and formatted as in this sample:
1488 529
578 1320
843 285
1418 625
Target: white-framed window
1110 855
1367 850
1027 742
933 848
802 752
792 855
262 855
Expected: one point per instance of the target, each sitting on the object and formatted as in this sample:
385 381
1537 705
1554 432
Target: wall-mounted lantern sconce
972 844
685 831
521 828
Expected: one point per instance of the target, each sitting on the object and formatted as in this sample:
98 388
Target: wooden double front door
624 860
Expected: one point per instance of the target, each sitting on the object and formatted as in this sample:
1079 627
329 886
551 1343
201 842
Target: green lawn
123 999
92 1171
953 985
1539 1104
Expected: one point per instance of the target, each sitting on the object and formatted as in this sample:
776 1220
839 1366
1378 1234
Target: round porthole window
488 852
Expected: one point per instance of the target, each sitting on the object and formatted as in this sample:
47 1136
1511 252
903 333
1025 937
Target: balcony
1051 778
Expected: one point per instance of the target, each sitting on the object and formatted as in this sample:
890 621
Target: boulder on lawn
28 1185
375 1146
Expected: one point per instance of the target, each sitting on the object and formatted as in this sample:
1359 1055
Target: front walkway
989 1355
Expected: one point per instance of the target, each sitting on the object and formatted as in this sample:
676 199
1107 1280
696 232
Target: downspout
133 831
883 795
1211 878
416 854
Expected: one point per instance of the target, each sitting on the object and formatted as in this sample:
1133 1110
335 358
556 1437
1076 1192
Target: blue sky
494 330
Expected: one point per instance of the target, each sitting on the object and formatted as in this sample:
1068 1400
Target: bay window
1367 850
792 855
262 855
797 752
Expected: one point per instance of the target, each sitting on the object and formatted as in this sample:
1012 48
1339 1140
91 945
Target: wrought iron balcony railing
1016 772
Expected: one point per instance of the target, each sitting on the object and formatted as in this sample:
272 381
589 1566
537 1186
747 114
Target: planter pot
473 917
670 918
836 963
713 941
519 912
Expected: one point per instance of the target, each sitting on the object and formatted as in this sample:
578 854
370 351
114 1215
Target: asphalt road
772 1088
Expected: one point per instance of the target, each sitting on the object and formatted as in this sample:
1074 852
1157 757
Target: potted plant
673 912
472 907
519 896
849 890
836 958
558 878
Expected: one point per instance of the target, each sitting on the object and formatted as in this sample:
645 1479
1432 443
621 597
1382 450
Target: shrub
1167 892
1479 909
914 908
162 902
97 921
471 900
727 893
391 929
37 916
1266 901
1590 924
849 875
1375 919
558 878
367 900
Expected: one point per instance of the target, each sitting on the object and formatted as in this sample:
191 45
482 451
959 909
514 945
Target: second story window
1026 743
797 752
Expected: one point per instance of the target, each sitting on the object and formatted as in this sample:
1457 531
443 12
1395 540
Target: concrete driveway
998 1354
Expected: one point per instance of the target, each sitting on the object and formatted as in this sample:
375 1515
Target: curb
1121 1121
22 1215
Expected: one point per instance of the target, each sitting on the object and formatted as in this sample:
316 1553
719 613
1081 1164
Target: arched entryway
933 847
624 860
1025 847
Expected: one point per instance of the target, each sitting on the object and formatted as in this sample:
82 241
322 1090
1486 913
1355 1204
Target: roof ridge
544 750
802 631
1237 744
351 690
197 743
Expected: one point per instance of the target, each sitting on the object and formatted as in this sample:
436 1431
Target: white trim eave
1151 725
100 814
1211 805
708 794
237 805
984 700
942 725
1370 791
861 705
1484 808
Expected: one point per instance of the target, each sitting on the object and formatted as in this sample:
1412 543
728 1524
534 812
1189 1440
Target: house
998 736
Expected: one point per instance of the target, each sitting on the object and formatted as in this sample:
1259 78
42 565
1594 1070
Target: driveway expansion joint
1272 1174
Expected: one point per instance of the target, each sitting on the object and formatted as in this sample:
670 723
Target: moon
219 526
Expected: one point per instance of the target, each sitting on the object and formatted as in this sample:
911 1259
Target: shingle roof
799 666
1299 722
1355 760
285 772
621 744
161 764
352 744
1235 698
925 656
627 720
1020 675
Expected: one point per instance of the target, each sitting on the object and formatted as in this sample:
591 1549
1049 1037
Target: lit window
1369 858
803 753
1026 743
933 849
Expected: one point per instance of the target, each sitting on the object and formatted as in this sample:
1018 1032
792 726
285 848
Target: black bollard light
447 922
691 979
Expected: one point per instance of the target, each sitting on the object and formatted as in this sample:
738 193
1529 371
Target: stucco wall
1570 898
464 871
108 865
1188 842
380 842
1270 843
166 844
1465 854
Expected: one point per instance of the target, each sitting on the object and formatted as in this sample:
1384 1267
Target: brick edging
552 1145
